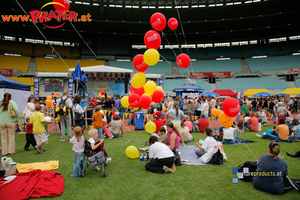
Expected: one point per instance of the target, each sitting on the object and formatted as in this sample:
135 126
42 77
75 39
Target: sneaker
111 137
81 174
26 149
258 135
174 167
62 140
167 169
141 149
104 135
108 160
290 154
37 149
97 168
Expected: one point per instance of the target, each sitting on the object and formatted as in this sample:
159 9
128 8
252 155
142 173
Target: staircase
32 67
245 67
213 86
291 84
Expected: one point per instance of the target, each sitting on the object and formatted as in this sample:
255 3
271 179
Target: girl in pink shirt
78 146
173 136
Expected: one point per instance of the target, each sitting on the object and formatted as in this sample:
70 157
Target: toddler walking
29 137
78 147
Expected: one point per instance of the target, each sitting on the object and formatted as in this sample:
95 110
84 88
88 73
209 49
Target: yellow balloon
159 88
150 127
99 95
132 152
146 94
124 101
151 57
138 80
150 87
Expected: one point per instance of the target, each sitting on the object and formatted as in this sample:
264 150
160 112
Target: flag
77 75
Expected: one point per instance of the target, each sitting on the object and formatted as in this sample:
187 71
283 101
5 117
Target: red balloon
134 100
52 93
231 107
139 64
102 93
145 102
158 21
172 23
65 3
157 96
183 60
139 91
152 40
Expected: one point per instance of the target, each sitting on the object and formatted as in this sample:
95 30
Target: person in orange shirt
279 134
97 119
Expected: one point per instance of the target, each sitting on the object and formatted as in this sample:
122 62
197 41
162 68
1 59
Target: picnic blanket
188 156
241 141
44 166
34 184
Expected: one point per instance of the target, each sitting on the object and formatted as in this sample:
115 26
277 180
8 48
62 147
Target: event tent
251 92
19 91
229 93
103 68
291 91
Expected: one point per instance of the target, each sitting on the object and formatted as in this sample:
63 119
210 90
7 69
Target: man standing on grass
65 120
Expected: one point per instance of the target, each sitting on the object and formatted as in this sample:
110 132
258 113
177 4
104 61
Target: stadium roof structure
126 21
103 68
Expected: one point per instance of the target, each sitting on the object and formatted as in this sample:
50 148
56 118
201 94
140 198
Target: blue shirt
84 79
173 114
180 104
297 128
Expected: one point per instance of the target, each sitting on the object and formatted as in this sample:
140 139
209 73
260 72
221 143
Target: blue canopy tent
209 94
19 91
188 88
298 95
263 94
282 95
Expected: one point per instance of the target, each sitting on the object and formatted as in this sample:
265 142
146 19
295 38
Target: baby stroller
95 157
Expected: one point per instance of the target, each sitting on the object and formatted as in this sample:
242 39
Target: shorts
41 137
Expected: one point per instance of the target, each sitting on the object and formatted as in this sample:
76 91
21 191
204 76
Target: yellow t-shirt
36 119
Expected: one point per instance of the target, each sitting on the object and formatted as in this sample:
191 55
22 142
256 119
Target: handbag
78 116
96 159
12 113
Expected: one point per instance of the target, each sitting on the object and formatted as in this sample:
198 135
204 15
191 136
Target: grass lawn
128 179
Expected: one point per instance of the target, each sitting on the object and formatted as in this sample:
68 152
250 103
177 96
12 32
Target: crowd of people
173 119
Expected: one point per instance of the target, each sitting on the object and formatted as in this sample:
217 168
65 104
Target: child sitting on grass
240 125
29 137
207 144
163 138
96 137
78 146
38 121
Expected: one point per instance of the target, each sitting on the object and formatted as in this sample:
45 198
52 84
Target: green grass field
128 179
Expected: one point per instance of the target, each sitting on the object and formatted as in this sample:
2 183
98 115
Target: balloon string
178 41
53 49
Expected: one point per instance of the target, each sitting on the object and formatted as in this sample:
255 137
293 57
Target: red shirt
29 128
203 123
253 123
94 102
158 124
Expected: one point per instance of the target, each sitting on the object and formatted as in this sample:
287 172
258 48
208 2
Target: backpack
252 167
62 109
177 159
216 135
217 158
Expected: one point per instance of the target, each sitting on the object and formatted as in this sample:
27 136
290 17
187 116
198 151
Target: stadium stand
269 83
42 50
293 47
25 49
273 63
218 52
171 84
28 81
259 50
233 65
297 84
15 62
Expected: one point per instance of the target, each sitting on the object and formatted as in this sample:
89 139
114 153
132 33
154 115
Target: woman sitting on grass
271 175
279 134
173 136
186 133
207 144
296 130
229 136
161 157
115 126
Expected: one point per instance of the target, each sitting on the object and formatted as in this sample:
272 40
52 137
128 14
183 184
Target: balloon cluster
231 108
48 101
142 93
102 94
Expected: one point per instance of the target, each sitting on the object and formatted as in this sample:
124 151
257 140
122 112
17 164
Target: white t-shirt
184 102
207 143
103 119
29 105
264 116
92 141
160 150
77 146
186 133
228 133
204 108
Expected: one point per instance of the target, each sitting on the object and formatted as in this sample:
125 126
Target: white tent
103 68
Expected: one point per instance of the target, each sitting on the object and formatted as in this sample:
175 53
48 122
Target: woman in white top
207 144
30 107
187 137
161 157
229 136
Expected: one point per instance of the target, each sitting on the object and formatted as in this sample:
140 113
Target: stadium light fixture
259 56
222 58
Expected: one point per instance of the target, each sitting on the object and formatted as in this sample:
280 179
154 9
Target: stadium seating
258 50
290 48
270 83
273 63
16 48
217 52
297 84
27 81
233 65
15 62
42 50
171 84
